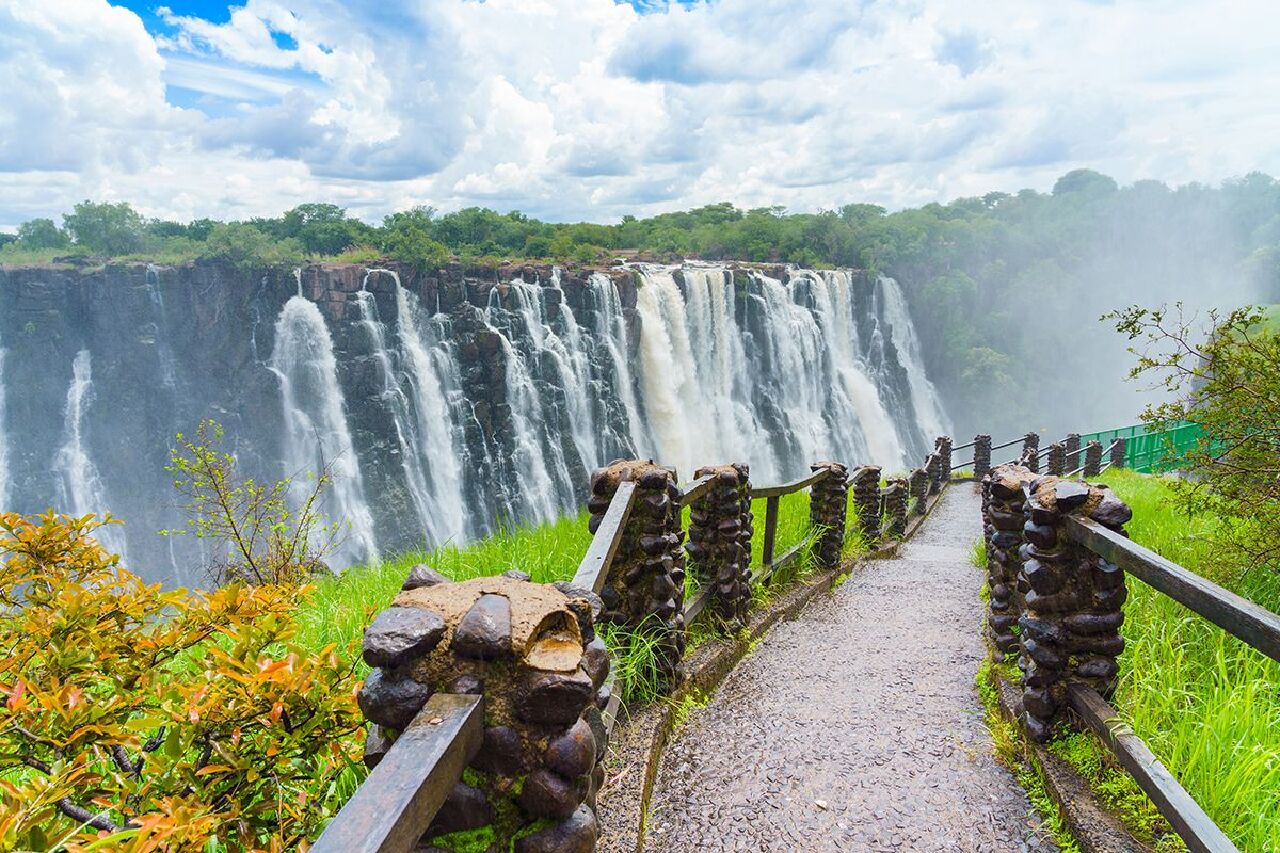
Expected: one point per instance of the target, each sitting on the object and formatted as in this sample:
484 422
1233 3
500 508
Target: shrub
137 719
109 229
246 246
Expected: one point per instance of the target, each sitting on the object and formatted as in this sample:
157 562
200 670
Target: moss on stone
479 840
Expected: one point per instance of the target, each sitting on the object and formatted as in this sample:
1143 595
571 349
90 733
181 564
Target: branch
83 815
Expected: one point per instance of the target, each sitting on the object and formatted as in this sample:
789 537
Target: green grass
1206 703
339 608
1010 748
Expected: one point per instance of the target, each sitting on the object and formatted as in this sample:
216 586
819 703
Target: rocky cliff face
463 397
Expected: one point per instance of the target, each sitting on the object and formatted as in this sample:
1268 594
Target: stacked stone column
1030 443
719 546
1093 459
828 510
942 444
866 498
1003 508
933 467
531 651
645 587
981 456
1117 452
1072 611
1057 462
895 506
1031 459
1073 451
919 491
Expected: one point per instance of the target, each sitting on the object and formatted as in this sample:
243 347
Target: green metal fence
1148 450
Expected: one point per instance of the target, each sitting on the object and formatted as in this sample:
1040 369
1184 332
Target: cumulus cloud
594 108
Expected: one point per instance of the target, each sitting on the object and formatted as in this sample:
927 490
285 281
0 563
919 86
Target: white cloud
587 108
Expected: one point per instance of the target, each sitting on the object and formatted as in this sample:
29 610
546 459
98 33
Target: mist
1010 311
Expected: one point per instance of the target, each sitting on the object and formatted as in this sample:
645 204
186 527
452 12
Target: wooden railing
393 808
1243 619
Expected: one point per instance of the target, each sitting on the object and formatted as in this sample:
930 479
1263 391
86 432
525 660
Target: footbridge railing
1057 561
491 701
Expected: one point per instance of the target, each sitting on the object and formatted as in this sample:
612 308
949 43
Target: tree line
1005 288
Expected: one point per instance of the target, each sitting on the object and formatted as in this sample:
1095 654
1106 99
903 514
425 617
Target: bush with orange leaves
138 719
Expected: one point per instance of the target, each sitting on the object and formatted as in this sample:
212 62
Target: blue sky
590 109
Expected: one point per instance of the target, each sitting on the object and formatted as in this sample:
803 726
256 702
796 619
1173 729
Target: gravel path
857 726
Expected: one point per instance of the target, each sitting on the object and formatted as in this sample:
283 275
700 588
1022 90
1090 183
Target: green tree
42 234
106 228
245 246
407 236
1225 377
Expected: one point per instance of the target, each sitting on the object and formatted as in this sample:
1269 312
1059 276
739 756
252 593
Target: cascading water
924 397
861 404
778 383
421 412
448 403
614 371
546 486
316 435
80 488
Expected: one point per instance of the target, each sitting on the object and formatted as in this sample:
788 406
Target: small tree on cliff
1225 377
261 533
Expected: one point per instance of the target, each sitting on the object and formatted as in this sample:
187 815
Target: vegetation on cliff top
980 272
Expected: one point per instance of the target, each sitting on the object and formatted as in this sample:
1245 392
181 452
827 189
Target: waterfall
80 488
316 434
777 381
431 447
546 486
860 403
444 405
5 476
902 332
610 328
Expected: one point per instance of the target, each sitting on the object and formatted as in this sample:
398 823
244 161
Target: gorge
444 403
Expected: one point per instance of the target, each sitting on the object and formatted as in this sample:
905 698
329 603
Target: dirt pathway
857 726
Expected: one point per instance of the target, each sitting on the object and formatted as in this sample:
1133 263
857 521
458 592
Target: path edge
1094 828
640 739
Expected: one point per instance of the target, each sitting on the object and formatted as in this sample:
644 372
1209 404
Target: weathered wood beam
1184 814
594 568
395 805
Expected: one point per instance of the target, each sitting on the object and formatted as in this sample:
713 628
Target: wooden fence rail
1243 619
397 803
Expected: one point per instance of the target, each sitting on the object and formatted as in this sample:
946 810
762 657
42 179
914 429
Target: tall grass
339 608
1206 703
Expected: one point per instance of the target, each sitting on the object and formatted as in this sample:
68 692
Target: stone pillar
942 444
1072 610
1093 459
895 506
531 650
866 498
1117 452
719 546
919 490
1003 500
1057 461
981 456
645 586
828 509
1031 458
1073 451
933 468
1030 442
